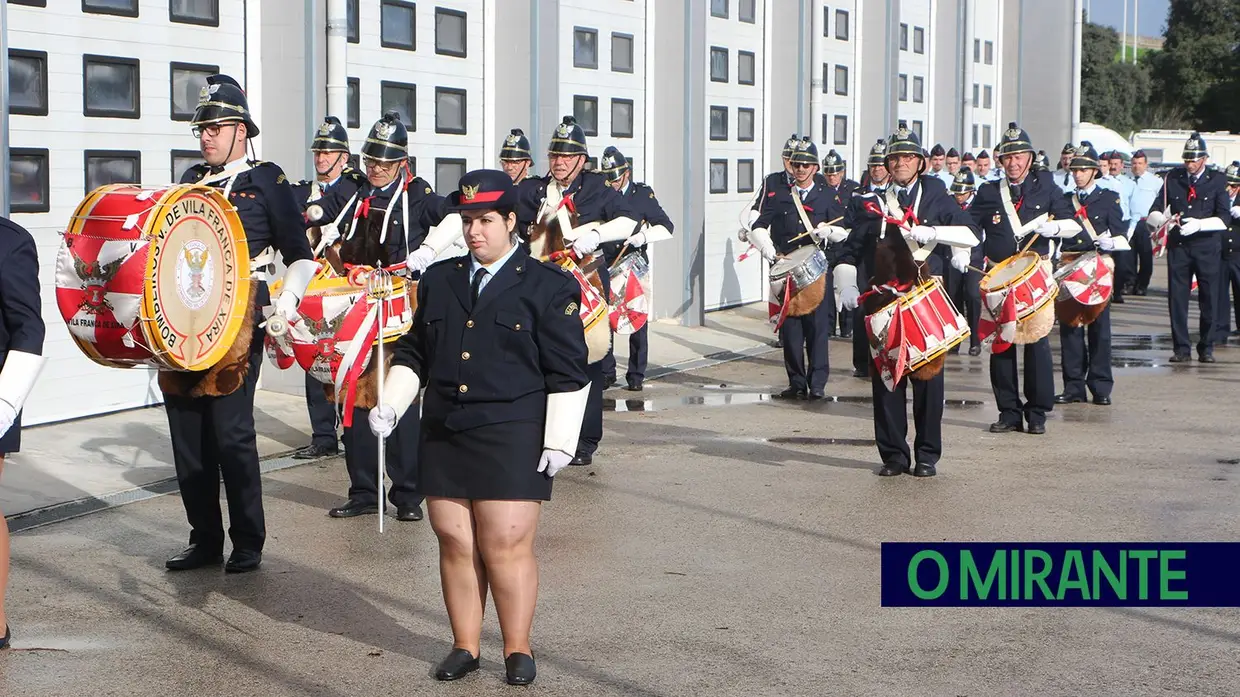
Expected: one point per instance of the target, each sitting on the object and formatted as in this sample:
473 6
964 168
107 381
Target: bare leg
461 572
505 532
4 560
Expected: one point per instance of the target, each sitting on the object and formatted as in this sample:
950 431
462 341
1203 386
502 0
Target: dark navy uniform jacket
1104 213
977 255
334 198
426 210
1231 237
864 231
494 362
21 318
592 198
646 209
779 214
775 181
937 207
1038 194
1205 198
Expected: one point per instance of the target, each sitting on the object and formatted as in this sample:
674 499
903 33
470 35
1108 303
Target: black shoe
975 350
353 508
243 560
457 665
923 470
1117 299
857 373
313 451
1206 358
1036 429
634 386
8 638
846 335
892 470
195 557
520 669
1066 398
1005 427
409 513
814 396
1140 292
1102 401
582 460
609 381
1181 358
791 393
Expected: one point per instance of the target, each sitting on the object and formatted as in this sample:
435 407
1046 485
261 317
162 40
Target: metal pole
337 61
1123 36
1075 113
4 111
801 69
1136 6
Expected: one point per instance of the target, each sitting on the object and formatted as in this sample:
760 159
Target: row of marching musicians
908 251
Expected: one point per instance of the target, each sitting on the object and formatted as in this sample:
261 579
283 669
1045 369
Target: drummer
1007 208
841 188
964 190
641 199
864 230
779 230
931 215
1102 218
210 419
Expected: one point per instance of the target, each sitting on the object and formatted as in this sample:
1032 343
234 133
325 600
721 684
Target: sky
1152 15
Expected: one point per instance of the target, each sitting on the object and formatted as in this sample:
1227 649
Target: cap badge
325 129
384 130
469 192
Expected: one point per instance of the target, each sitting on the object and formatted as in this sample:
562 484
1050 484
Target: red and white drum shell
1027 277
930 323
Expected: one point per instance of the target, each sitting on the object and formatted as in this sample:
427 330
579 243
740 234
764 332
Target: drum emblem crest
95 278
193 284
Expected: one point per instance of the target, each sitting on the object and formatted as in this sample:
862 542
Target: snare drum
156 277
630 293
1086 281
914 330
1025 284
801 277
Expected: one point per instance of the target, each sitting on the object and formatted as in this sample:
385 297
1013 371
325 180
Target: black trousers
891 421
807 332
322 415
592 424
361 457
639 352
1125 271
973 305
1085 357
214 436
861 358
1143 255
1039 383
1228 296
1200 256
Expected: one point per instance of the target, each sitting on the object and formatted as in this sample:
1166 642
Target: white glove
1048 229
587 243
1190 226
553 461
382 420
637 240
1106 243
1156 219
837 234
1235 211
846 281
8 415
849 297
960 260
419 259
760 237
922 234
286 305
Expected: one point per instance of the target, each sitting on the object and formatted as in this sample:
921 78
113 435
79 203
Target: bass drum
154 277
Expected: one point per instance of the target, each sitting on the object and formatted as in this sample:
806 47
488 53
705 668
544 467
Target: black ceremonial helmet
331 137
805 152
790 146
568 139
906 142
1194 147
1014 141
1233 173
963 181
388 140
832 163
878 154
614 164
1085 157
516 147
222 100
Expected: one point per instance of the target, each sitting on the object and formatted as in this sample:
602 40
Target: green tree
1113 94
1198 69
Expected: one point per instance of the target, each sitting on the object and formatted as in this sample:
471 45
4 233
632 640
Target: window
402 98
585 110
744 176
183 160
903 37
825 82
919 89
987 94
718 64
591 164
745 62
826 21
977 50
448 173
31 3
398 25
187 80
354 118
205 12
747 13
105 167
986 136
585 48
917 126
450 109
718 123
27 82
352 21
975 140
621 53
28 180
841 79
124 8
990 53
719 176
719 8
976 91
826 127
841 130
903 87
450 33
110 87
745 124
413 167
621 118
919 40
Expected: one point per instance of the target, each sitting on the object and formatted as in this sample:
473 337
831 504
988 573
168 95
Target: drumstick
803 234
619 256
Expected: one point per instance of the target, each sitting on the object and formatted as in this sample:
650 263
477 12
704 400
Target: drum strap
920 253
796 199
229 174
1083 216
333 234
263 266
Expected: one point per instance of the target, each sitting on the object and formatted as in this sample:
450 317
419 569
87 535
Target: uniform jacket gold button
464 355
469 323
517 325
464 389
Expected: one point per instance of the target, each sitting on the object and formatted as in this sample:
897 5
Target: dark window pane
187 82
195 11
28 180
718 123
355 104
841 25
744 176
450 39
919 88
719 8
988 95
746 11
622 118
841 79
745 124
585 48
622 53
917 128
183 160
903 37
448 173
450 109
745 71
111 87
841 130
990 52
103 168
27 82
919 40
718 64
402 98
719 176
128 8
397 28
354 32
585 110
903 88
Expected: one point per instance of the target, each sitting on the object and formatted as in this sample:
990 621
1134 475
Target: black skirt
11 442
494 462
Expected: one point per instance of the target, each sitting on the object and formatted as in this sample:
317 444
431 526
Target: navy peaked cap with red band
483 189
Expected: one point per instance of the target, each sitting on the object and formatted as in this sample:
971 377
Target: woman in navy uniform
923 201
774 233
211 413
964 190
1089 365
1029 194
499 345
619 173
1194 248
21 357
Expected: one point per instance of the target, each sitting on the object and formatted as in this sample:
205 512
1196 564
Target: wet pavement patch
741 398
809 440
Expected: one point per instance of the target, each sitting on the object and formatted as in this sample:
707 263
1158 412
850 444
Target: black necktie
1014 189
904 197
476 286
